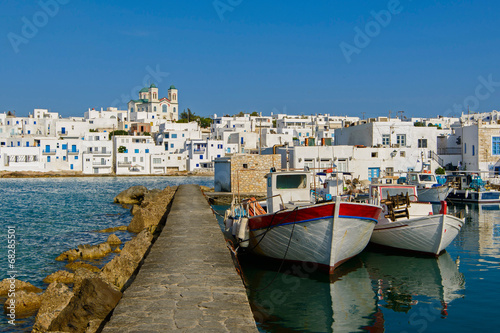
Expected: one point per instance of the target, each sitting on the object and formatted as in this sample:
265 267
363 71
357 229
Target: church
155 108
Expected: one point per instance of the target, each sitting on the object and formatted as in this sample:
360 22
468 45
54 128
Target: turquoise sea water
52 215
385 292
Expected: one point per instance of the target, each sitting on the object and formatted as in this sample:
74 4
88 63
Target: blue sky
227 56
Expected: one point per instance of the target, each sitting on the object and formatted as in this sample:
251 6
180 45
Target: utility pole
401 114
390 114
363 115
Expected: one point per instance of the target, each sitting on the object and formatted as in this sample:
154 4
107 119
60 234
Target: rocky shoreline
63 174
81 298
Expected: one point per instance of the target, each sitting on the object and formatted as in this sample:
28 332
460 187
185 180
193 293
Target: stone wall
248 171
486 131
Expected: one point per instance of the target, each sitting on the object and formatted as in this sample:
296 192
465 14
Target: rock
86 251
6 285
22 303
80 275
133 195
117 250
93 326
113 240
93 301
119 270
206 189
74 266
149 217
54 300
134 210
120 228
60 276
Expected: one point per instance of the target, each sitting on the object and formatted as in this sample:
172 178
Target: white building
201 153
150 107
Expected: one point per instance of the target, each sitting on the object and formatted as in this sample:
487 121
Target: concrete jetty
188 282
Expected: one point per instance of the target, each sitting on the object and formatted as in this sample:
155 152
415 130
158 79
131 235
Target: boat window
291 181
414 178
427 178
396 191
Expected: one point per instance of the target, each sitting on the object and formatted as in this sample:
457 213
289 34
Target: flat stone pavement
188 282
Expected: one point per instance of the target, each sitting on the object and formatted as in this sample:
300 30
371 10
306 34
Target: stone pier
188 282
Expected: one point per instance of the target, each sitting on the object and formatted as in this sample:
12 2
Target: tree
117 132
122 149
254 114
440 171
241 114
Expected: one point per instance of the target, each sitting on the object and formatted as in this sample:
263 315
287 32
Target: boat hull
427 234
433 194
473 196
319 234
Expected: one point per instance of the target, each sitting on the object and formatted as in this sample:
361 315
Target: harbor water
52 215
374 292
387 292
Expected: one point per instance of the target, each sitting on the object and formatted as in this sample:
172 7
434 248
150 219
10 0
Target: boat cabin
288 189
422 180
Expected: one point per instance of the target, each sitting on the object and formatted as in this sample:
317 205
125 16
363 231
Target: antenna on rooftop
363 115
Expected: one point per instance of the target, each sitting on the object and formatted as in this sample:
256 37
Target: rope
282 260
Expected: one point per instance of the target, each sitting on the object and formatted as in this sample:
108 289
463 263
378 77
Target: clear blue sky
262 56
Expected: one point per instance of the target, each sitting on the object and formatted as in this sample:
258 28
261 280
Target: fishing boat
428 188
293 227
407 224
469 187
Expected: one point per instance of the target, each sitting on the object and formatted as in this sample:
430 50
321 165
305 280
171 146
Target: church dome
152 85
143 90
172 87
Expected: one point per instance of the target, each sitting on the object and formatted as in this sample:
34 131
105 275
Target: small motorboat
407 224
469 187
293 227
428 188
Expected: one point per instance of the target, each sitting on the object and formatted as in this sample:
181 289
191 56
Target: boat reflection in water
361 296
403 282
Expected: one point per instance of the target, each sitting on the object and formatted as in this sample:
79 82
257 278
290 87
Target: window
134 159
374 154
465 148
401 140
245 166
422 143
156 160
171 145
201 157
164 108
147 151
136 151
48 159
473 150
402 153
142 159
155 109
291 181
386 139
495 145
389 171
64 158
174 136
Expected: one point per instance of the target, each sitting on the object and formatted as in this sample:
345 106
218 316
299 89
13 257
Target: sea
373 292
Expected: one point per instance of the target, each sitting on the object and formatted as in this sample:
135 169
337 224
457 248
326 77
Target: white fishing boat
428 188
407 224
295 228
469 187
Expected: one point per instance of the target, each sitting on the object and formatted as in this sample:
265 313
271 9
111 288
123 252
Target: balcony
124 164
74 152
49 152
101 164
199 151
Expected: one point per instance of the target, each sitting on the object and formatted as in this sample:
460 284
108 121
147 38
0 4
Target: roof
144 90
152 85
172 87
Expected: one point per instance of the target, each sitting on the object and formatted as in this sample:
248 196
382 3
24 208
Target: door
373 173
47 148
